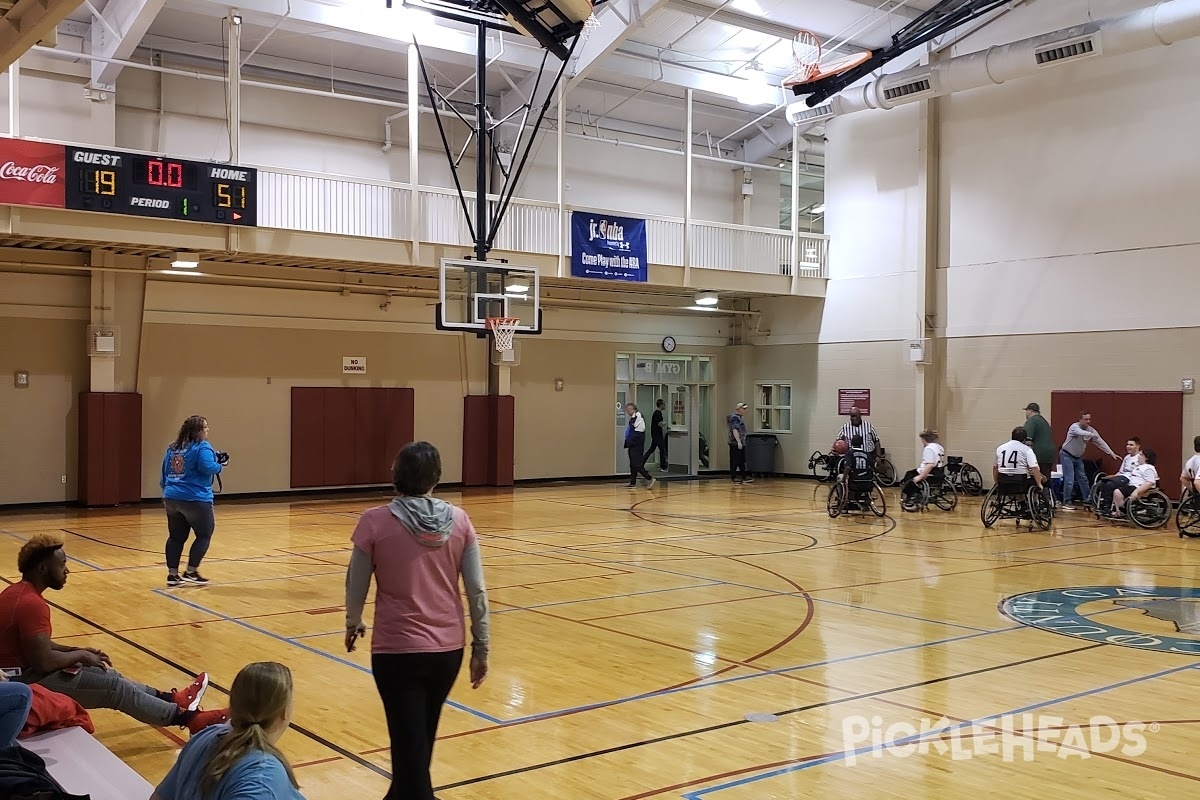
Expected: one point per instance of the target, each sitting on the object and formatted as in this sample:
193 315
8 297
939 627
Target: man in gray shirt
1071 458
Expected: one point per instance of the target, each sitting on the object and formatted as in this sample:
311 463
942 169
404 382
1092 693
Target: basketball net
590 24
503 329
806 58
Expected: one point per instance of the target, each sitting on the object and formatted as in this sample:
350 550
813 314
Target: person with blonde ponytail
239 759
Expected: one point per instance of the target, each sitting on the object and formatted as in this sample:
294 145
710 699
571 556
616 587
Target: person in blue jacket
240 760
188 469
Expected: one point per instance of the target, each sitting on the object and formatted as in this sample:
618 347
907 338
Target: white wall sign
354 365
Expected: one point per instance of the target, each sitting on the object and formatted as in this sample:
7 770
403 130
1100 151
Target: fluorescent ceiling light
707 299
817 209
702 308
186 273
185 261
516 286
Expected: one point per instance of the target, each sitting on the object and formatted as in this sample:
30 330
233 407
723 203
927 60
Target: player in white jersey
1143 479
933 457
1190 478
1015 461
1129 466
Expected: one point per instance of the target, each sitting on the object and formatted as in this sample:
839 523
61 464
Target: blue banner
604 247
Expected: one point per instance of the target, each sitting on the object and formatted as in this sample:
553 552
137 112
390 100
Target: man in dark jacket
1038 429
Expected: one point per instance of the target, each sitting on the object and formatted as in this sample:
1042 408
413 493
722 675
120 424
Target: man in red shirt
84 674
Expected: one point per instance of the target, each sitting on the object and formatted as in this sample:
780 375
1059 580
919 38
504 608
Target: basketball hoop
503 329
589 25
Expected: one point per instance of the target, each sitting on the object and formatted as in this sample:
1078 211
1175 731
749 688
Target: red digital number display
164 173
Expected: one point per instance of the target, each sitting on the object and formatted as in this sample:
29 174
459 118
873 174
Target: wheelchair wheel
878 501
1041 513
989 512
823 466
1187 518
885 473
970 481
836 501
948 499
1150 511
1094 497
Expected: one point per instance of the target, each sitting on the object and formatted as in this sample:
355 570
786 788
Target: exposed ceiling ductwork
1160 25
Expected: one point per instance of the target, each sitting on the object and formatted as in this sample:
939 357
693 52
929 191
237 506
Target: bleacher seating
84 766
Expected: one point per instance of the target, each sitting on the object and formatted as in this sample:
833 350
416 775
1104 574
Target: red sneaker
189 698
202 719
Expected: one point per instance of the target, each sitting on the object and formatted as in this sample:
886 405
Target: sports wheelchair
937 488
963 476
825 467
1151 510
861 490
1187 518
1018 499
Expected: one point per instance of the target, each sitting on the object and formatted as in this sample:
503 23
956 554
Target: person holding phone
189 466
417 547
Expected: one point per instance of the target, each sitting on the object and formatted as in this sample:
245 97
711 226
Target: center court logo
1082 612
1011 737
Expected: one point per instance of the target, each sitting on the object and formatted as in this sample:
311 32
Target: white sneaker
1066 507
653 481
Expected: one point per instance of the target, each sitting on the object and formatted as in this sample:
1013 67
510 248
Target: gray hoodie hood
428 519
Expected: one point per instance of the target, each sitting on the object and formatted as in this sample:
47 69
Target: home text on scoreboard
157 186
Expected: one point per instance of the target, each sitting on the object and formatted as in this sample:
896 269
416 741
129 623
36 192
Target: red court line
766 595
318 761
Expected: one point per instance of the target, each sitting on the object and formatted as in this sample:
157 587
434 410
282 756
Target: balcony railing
302 201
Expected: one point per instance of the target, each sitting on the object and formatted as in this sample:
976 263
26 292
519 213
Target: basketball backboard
471 291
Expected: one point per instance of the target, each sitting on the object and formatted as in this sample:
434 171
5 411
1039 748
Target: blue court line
313 650
558 603
898 614
69 558
696 795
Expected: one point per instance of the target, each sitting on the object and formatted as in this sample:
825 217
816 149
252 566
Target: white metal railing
295 200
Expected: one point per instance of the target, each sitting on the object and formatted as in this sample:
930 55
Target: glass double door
686 409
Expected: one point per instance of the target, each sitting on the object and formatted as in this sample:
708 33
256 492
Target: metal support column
233 83
928 376
795 209
687 203
414 154
564 230
481 146
14 99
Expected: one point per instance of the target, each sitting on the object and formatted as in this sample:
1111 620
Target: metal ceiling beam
29 22
618 19
120 30
900 11
757 24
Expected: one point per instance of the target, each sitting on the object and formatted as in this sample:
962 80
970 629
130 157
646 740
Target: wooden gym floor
635 631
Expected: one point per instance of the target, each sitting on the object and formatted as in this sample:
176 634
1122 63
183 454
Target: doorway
684 385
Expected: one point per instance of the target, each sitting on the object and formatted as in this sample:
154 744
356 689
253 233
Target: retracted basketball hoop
503 329
807 54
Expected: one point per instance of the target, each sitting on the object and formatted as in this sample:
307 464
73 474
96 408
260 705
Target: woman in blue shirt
188 468
239 759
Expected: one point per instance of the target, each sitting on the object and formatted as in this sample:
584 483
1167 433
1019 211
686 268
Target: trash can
760 453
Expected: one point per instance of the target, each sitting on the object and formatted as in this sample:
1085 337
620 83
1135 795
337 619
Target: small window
773 407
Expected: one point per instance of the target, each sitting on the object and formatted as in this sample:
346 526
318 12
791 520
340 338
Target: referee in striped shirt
857 426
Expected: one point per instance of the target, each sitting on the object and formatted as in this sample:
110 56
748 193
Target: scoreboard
155 186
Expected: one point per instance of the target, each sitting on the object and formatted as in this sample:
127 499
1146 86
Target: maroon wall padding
110 448
1155 417
476 440
308 437
348 436
370 408
339 436
502 439
399 415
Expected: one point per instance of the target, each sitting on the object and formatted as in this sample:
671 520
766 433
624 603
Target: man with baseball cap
737 445
1038 429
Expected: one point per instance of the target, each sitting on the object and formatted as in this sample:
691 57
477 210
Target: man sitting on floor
84 674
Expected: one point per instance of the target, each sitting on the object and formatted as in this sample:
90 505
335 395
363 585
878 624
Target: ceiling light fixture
817 209
185 261
516 286
707 299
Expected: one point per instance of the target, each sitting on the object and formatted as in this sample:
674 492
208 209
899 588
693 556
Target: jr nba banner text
604 247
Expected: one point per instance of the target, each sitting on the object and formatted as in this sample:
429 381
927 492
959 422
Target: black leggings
413 688
184 517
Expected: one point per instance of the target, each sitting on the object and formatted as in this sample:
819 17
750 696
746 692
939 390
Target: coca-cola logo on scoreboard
31 173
